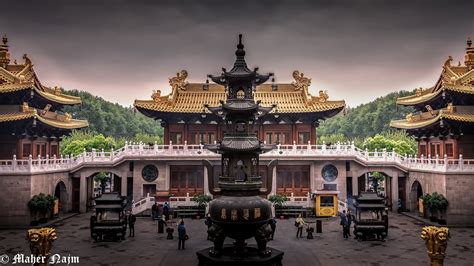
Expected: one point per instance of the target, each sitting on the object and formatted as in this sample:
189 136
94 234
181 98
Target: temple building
31 121
444 121
185 114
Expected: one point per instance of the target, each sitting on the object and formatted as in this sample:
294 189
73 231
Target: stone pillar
206 181
123 185
274 184
355 185
394 188
83 194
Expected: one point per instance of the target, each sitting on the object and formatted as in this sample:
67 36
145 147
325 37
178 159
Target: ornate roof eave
409 125
413 100
67 124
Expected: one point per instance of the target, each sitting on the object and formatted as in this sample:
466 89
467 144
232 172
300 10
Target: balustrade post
39 161
384 154
84 155
125 147
292 197
93 155
353 146
422 159
294 146
338 146
70 159
185 145
309 145
188 199
155 147
54 161
461 162
323 148
366 153
14 163
30 162
111 154
429 158
445 162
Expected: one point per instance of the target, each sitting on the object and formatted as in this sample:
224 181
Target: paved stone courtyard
403 246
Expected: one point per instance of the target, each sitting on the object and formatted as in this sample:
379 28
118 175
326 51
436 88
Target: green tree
76 143
278 200
201 200
380 142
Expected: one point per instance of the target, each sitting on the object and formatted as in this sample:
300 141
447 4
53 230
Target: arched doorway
415 193
60 192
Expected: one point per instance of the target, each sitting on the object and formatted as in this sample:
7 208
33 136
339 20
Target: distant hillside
366 119
112 119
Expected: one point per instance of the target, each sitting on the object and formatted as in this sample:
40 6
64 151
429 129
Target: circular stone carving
150 173
329 172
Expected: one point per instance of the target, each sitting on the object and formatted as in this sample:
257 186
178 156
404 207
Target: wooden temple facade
293 119
444 121
31 121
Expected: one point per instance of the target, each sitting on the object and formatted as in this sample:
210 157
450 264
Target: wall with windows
440 146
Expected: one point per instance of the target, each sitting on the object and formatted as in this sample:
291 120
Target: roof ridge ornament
179 81
301 82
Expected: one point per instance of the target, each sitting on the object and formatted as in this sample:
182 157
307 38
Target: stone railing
137 151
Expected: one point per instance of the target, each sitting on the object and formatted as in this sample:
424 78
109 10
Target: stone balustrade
136 151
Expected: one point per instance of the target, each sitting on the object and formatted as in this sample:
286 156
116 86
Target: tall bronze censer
238 210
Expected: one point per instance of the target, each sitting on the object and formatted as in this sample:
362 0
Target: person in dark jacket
154 210
131 224
166 210
344 223
181 235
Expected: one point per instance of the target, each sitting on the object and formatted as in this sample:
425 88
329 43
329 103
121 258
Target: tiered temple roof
448 105
190 98
24 98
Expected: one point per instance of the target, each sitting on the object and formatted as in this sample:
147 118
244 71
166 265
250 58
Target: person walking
350 218
154 210
399 206
161 224
344 223
166 210
299 223
272 223
131 224
181 235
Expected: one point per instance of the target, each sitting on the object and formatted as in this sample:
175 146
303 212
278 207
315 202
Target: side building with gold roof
186 118
31 121
444 121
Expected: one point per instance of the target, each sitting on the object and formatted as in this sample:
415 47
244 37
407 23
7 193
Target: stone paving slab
403 246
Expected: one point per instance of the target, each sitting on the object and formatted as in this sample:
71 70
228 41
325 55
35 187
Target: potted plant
440 204
426 202
278 200
202 201
41 205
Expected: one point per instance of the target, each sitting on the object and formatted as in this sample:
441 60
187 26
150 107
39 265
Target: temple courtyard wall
18 188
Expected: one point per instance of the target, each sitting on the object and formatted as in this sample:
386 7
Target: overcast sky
122 50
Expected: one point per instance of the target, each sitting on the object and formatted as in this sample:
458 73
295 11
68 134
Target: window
175 137
293 179
435 149
149 188
327 201
54 150
303 137
193 138
26 150
422 150
212 138
268 138
449 150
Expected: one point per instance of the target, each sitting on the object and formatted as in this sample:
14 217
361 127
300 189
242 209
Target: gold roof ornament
156 96
323 96
25 107
448 61
409 117
57 91
4 53
469 57
436 240
450 108
419 91
301 82
179 82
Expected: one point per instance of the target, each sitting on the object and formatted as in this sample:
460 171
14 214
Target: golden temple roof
49 118
191 98
17 77
458 78
453 113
